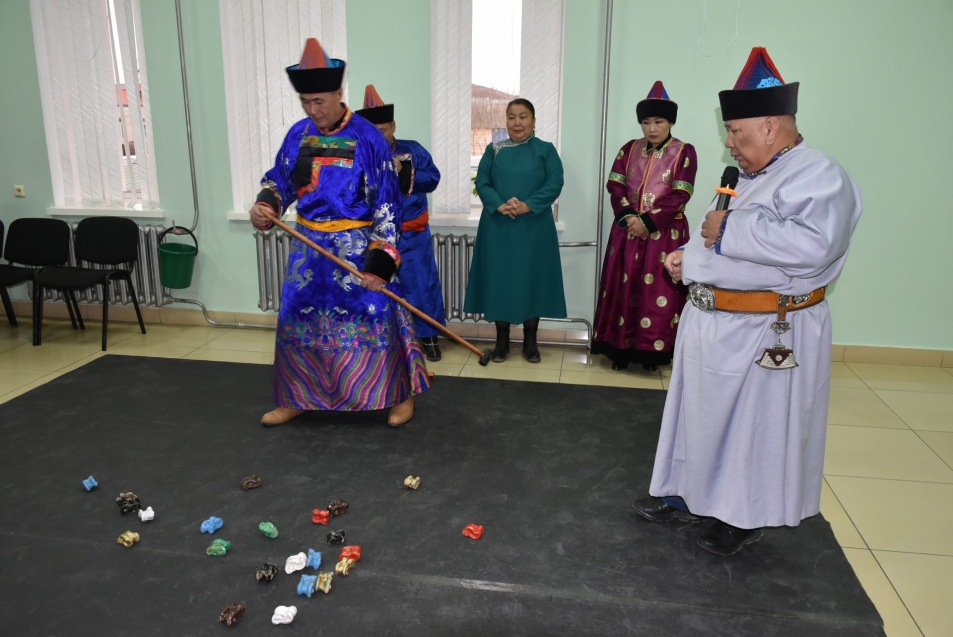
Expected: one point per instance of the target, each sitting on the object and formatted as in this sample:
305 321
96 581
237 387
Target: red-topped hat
657 104
375 110
760 90
316 72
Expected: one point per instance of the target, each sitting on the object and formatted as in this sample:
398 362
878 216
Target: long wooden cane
484 354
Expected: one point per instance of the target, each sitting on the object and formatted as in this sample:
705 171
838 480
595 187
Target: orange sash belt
336 225
418 224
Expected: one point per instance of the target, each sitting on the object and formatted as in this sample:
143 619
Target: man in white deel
743 433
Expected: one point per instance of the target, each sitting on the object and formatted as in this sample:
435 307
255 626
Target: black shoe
617 366
530 349
502 348
650 368
658 510
431 348
724 539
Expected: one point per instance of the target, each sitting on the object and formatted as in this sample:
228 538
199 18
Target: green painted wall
871 96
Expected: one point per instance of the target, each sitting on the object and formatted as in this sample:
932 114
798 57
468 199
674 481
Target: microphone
729 179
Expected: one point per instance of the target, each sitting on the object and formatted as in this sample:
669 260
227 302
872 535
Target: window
260 39
95 95
491 51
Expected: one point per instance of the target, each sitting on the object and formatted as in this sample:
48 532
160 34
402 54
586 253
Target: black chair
39 243
102 240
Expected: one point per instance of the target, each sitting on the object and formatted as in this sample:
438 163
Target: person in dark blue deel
418 176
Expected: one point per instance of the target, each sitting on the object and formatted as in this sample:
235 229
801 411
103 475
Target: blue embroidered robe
418 270
340 346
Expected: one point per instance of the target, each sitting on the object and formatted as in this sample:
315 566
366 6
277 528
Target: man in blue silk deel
418 176
341 344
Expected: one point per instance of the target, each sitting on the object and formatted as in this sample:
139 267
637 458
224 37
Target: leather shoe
280 416
724 539
402 413
617 366
658 510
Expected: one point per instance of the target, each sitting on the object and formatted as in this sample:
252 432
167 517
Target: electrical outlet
19 191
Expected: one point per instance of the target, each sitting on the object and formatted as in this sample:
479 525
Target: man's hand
397 165
371 282
260 215
711 226
673 263
637 229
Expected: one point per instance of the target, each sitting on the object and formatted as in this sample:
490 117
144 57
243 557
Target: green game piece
268 529
218 548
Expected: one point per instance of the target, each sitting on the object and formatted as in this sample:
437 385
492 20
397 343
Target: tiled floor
888 491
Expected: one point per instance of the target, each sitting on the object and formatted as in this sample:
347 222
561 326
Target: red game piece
473 531
351 553
320 516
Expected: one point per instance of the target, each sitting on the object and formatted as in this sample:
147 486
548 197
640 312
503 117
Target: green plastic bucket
177 260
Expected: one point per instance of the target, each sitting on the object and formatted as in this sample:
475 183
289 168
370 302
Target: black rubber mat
549 470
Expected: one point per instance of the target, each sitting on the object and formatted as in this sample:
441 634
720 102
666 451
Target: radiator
453 255
149 290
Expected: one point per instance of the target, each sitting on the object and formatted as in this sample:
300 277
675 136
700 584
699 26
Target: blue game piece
211 525
90 483
307 585
314 559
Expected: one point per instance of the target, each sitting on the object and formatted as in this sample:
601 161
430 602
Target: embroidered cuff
623 214
381 260
721 232
646 219
269 197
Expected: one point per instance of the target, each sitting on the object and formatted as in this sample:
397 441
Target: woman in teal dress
516 275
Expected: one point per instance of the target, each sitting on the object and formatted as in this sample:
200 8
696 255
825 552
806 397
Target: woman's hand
514 208
371 282
637 229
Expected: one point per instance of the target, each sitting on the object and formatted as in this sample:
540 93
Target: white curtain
451 72
260 39
101 154
541 56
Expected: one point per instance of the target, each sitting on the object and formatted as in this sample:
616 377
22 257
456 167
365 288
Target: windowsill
83 211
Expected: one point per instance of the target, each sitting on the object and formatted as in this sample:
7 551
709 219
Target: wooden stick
360 275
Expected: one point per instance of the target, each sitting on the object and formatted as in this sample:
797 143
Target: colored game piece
251 482
320 516
231 614
307 585
147 514
211 525
314 559
344 566
284 615
266 572
295 563
337 507
218 548
128 502
351 553
324 582
412 482
268 529
335 537
127 539
90 483
473 531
